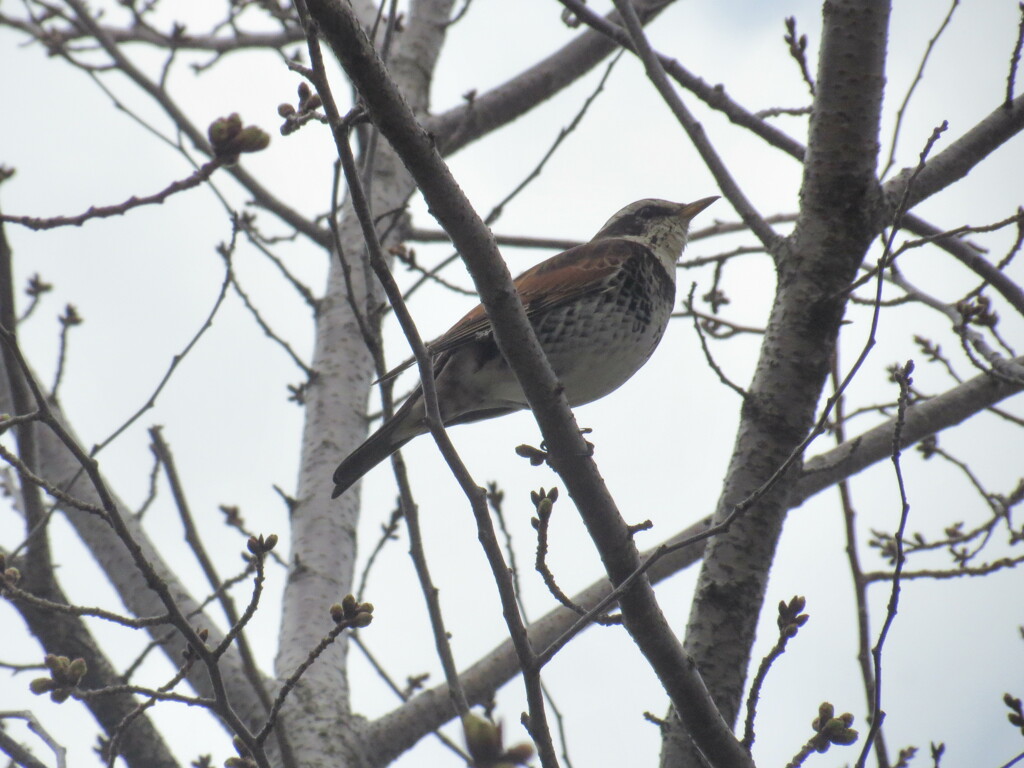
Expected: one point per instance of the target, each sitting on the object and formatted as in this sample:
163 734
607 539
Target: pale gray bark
324 530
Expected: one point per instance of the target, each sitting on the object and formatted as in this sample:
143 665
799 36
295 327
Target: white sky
144 284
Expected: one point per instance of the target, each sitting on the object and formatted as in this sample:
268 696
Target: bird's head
659 224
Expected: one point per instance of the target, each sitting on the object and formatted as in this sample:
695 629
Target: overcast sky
146 282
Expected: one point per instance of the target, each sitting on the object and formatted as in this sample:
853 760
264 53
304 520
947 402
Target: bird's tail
377 447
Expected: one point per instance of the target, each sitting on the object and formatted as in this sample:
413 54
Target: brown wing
563 278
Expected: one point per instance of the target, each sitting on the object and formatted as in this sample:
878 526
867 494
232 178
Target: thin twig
417 234
718 327
495 497
1011 77
387 534
656 72
69 319
535 173
175 362
956 573
790 619
877 715
261 244
860 592
542 525
46 485
913 85
798 51
16 593
707 352
265 327
1013 761
293 679
102 212
154 475
35 290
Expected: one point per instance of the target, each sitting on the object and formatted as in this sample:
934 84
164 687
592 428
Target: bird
598 309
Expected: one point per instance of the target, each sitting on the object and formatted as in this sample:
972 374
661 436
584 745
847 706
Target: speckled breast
595 344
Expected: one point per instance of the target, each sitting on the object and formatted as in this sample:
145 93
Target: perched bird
598 310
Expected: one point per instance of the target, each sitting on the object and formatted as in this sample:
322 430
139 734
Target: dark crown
637 222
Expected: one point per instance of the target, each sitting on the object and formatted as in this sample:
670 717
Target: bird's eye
648 212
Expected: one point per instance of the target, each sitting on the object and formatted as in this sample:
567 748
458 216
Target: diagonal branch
59 633
923 419
262 196
499 106
642 615
963 252
59 466
712 95
841 210
960 157
432 708
751 217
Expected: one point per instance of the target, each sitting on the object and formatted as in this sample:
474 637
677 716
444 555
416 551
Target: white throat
665 240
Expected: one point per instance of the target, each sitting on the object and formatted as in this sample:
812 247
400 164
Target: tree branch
960 157
499 106
656 73
515 337
924 418
841 211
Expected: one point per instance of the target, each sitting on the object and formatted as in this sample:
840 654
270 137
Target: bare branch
970 258
712 95
175 362
105 211
923 419
1015 59
962 155
518 343
751 217
860 585
790 619
488 111
877 715
798 51
913 85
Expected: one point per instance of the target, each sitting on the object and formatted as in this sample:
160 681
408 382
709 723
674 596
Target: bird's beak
688 210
